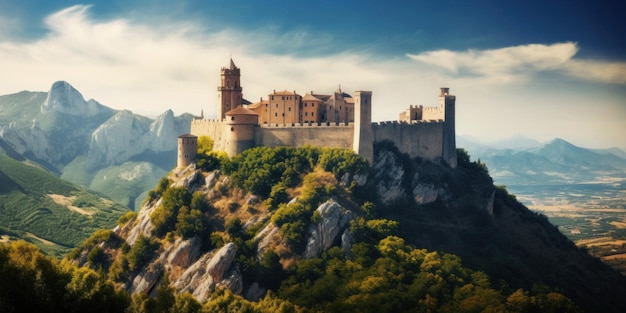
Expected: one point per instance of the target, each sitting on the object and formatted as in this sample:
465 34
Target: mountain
81 140
552 163
325 232
41 208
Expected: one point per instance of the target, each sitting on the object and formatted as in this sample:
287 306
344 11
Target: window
305 104
312 113
289 109
312 104
283 97
272 97
232 118
276 104
232 129
266 105
306 113
275 114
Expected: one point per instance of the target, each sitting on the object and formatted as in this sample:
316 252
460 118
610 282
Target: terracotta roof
257 104
309 97
241 111
187 135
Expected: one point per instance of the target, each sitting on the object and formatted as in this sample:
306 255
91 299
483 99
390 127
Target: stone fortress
336 120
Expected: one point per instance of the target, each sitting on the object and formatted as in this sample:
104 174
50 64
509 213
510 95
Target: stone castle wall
214 129
422 139
334 136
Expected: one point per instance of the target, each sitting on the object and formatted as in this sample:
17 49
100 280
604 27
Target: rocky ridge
77 138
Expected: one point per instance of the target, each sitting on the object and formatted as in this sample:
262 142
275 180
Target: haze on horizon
535 69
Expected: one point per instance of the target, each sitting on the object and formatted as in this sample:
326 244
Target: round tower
363 138
187 150
241 123
229 92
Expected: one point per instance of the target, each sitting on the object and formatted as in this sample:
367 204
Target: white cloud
599 71
148 68
511 64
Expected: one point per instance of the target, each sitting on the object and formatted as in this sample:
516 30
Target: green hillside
52 213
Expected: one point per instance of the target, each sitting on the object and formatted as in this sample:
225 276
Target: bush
141 252
164 218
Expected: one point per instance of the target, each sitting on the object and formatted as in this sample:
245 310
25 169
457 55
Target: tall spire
232 64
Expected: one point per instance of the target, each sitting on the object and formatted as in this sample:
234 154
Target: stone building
337 119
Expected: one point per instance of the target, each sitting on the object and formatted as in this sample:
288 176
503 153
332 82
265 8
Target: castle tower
187 150
229 92
363 138
447 103
240 133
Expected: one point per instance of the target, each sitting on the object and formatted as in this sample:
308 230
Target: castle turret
229 92
447 103
363 138
241 123
187 150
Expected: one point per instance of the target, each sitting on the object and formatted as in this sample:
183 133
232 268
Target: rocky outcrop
142 225
389 174
209 271
147 278
184 252
424 193
190 181
334 220
212 179
221 261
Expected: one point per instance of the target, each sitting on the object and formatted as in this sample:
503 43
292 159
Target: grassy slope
26 210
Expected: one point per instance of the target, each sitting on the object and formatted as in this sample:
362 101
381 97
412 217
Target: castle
336 120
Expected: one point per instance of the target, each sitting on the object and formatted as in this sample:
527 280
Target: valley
592 215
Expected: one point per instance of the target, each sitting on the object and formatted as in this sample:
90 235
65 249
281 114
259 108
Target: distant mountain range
117 153
523 161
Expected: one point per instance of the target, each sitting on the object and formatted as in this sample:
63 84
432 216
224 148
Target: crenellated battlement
307 125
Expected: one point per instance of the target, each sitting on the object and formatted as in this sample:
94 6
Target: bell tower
229 93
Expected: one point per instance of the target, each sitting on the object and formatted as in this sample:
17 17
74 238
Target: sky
540 69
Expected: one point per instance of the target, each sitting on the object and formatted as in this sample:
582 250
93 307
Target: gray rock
389 173
192 180
321 236
233 281
184 252
147 278
222 261
211 179
255 292
425 193
143 225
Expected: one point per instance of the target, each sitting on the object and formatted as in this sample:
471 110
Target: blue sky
542 69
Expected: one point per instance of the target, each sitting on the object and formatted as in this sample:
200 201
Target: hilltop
321 231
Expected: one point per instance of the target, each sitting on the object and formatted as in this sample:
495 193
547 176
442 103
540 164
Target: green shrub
126 218
141 252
